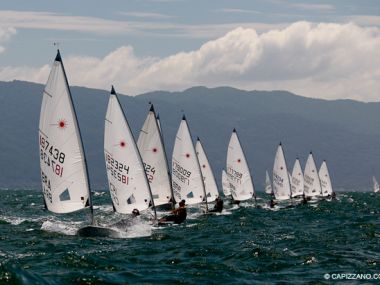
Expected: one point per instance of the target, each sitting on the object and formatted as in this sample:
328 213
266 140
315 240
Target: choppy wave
242 245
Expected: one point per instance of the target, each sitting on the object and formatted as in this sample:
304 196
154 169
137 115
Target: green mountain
344 132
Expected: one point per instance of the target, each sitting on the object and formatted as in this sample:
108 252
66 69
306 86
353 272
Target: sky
318 49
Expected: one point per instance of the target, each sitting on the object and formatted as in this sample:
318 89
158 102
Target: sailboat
312 183
152 150
208 176
127 181
268 184
297 183
65 182
375 186
187 180
239 176
281 183
64 174
225 184
324 177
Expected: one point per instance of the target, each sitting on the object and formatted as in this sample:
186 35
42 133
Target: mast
92 219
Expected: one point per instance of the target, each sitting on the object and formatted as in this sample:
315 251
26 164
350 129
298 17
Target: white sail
312 184
187 180
225 184
281 183
324 177
128 185
63 167
297 179
268 184
376 187
239 176
153 154
207 173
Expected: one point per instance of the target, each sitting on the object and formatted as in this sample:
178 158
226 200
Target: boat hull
96 231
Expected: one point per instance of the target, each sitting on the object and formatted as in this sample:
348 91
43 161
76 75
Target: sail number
51 156
51 150
46 187
278 180
176 190
117 169
114 194
150 171
234 175
181 173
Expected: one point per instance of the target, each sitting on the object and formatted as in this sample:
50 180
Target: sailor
233 201
271 203
218 207
135 213
125 223
178 215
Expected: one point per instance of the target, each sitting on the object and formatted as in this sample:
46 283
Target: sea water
321 243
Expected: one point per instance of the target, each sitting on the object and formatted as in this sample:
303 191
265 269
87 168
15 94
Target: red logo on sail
62 124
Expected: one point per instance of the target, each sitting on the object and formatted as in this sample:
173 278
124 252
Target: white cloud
5 35
328 61
100 26
365 20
